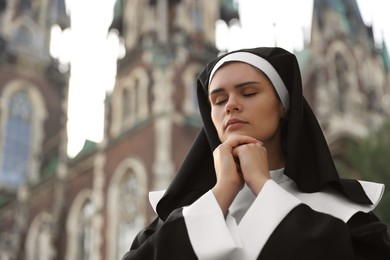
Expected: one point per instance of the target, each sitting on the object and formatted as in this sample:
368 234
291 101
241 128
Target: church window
197 15
130 102
134 105
126 208
86 231
16 140
130 197
38 245
39 239
23 36
36 11
190 105
126 101
342 80
81 233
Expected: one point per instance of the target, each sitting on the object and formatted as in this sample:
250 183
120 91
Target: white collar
327 201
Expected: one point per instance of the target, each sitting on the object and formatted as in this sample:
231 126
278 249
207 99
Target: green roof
385 56
51 168
88 146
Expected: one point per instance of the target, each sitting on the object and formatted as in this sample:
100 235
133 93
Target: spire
228 10
348 9
3 5
59 14
117 21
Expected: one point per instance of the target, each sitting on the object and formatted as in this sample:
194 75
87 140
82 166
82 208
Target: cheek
275 116
217 120
268 116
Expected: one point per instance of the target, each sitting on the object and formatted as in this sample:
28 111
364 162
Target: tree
370 160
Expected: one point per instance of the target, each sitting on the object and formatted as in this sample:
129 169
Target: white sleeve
211 235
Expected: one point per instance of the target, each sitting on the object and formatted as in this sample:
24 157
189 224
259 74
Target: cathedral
91 206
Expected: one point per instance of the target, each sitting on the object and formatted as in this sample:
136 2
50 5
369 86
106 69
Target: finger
261 145
244 148
237 140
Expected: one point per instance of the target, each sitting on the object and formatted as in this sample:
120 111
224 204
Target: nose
232 106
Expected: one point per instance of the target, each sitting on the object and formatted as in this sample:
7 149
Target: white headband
261 64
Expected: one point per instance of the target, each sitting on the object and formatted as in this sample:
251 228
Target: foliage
370 158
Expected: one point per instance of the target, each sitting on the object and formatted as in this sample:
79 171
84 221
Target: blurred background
97 105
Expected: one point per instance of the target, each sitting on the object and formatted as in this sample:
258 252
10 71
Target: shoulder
332 202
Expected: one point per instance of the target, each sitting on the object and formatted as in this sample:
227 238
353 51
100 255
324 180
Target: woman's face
243 101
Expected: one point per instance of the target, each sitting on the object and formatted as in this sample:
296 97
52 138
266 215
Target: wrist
224 196
257 186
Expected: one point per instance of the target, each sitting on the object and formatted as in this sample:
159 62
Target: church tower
33 95
347 82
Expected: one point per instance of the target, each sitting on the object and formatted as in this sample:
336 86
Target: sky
93 53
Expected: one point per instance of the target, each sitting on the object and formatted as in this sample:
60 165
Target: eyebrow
240 85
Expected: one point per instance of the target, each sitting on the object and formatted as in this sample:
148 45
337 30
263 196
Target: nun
259 181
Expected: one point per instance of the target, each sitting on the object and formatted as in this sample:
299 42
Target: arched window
131 100
190 103
130 104
126 206
341 68
36 11
130 197
21 126
126 101
40 243
81 232
39 239
86 231
16 140
197 15
23 36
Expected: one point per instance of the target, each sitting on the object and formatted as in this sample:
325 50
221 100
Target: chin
226 136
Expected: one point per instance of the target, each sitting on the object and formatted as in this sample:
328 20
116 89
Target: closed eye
220 101
219 97
249 90
249 94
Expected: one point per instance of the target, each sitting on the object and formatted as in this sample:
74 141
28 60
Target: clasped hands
238 160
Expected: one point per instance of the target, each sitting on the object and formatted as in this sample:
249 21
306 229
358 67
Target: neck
276 158
275 161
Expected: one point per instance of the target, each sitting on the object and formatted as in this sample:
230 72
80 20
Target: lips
234 121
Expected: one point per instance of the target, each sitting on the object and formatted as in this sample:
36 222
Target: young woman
259 181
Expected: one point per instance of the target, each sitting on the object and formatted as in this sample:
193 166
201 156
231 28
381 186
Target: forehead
235 72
